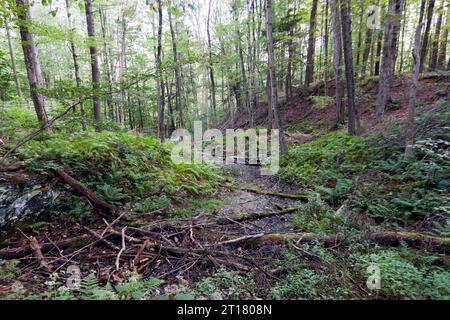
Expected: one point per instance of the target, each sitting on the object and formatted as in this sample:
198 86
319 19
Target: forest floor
252 236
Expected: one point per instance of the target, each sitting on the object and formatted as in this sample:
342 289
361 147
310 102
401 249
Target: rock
17 203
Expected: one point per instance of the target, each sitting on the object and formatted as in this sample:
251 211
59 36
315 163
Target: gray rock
16 203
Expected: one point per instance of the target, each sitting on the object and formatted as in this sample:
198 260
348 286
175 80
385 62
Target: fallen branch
254 215
383 238
37 252
88 194
13 167
277 194
8 254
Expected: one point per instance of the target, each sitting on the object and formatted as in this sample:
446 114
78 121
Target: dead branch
37 252
13 167
277 194
88 194
8 254
383 238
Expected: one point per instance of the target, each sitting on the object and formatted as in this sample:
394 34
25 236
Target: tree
309 76
389 55
94 65
353 119
444 41
409 130
159 75
426 35
30 55
13 59
210 64
272 78
241 60
337 60
76 65
437 33
178 82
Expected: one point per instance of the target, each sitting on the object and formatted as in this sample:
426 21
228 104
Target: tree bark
444 41
210 64
160 85
30 53
272 78
13 59
178 93
426 35
241 60
436 42
337 60
353 119
389 55
309 76
107 63
94 65
409 130
76 65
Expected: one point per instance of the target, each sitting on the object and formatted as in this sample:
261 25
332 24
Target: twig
121 250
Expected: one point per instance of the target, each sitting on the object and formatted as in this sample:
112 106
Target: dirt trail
240 201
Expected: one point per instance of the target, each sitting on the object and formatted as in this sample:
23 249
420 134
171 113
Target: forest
224 150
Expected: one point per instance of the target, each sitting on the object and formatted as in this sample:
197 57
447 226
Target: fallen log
13 167
17 253
88 194
417 240
254 215
277 194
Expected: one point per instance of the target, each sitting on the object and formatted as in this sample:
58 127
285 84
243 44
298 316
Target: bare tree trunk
353 119
94 65
178 93
13 59
33 68
107 63
75 63
389 54
160 86
367 46
436 42
444 41
272 76
378 54
241 59
326 40
210 64
309 76
402 48
409 130
426 35
337 60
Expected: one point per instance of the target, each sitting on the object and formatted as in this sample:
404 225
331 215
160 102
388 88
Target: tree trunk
389 54
378 54
409 130
353 119
337 60
272 76
107 63
178 93
75 63
94 65
426 35
32 65
241 59
326 40
160 86
444 41
13 59
210 65
309 76
437 33
366 53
